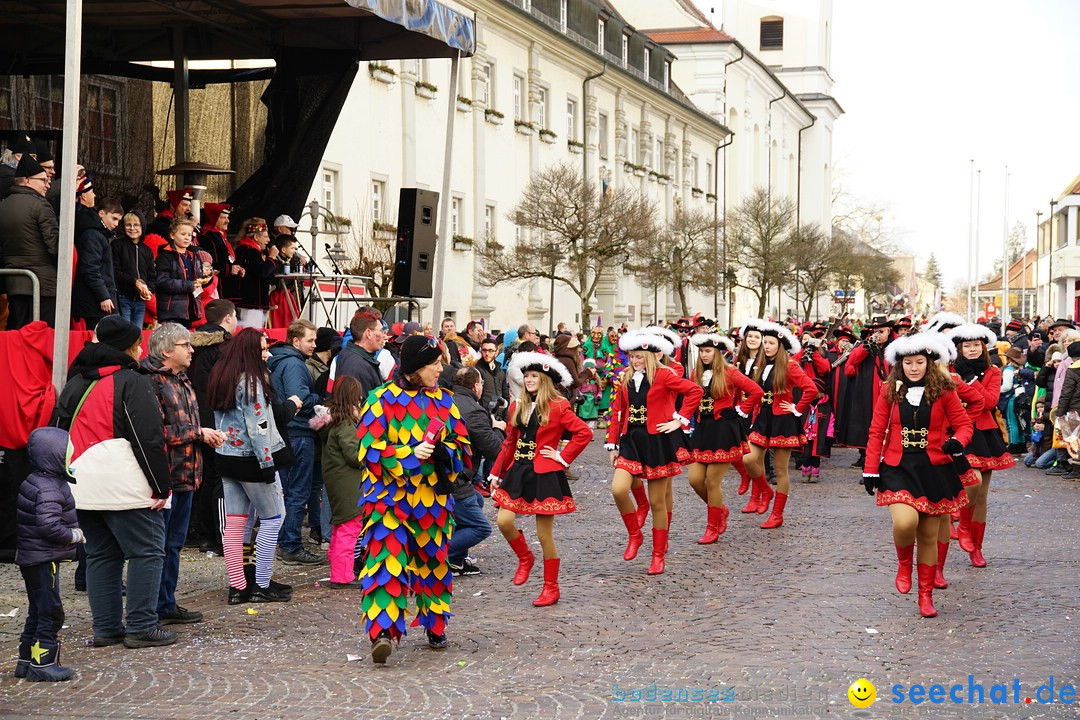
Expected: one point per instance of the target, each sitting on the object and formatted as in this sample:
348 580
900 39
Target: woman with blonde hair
529 476
778 421
718 437
640 438
918 431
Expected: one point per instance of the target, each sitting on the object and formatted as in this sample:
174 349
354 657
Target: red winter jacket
28 398
561 418
989 386
739 386
947 411
971 396
666 386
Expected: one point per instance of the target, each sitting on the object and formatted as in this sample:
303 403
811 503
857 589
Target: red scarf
248 242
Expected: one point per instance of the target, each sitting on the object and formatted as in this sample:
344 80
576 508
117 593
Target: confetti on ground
13 613
252 611
353 658
871 631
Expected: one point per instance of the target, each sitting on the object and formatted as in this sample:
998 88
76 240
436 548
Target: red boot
776 519
712 526
741 469
636 538
525 558
926 589
755 500
641 497
939 576
953 517
904 556
669 522
721 527
765 494
550 593
659 548
978 530
963 533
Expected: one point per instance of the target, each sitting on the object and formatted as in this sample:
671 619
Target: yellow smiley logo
862 693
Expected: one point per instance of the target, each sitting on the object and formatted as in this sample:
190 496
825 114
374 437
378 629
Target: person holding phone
413 445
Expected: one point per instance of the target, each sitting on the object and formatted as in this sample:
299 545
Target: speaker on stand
414 262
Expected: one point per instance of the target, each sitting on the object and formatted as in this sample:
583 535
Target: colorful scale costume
408 513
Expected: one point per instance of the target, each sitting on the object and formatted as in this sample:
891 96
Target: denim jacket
249 427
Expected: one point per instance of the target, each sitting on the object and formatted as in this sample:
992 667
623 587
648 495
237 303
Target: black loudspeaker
414 263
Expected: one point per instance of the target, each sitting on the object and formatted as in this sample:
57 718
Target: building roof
1073 188
1025 264
687 36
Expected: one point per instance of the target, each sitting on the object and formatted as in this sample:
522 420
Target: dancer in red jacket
919 429
529 475
987 450
778 422
640 437
718 437
745 360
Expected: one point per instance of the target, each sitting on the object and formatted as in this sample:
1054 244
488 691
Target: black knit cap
116 332
418 351
28 167
327 339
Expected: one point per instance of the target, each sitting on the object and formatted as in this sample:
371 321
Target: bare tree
683 256
757 233
814 258
864 220
578 233
371 254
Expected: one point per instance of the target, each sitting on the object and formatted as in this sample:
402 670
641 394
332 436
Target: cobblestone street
771 623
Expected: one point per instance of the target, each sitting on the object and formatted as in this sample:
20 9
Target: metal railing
34 283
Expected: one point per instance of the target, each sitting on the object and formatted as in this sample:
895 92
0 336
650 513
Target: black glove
952 446
444 468
870 482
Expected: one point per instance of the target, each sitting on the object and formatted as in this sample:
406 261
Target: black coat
176 301
45 511
30 240
486 441
95 280
131 262
253 290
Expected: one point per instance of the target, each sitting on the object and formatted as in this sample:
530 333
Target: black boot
24 659
381 647
238 596
45 663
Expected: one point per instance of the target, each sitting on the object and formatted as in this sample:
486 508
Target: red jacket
796 378
947 411
818 363
659 403
971 396
989 387
561 417
739 386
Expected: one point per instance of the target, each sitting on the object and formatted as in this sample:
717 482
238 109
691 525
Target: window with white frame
648 61
542 107
709 176
455 216
519 97
571 119
635 146
601 28
489 222
378 197
658 158
625 48
329 189
602 130
483 92
562 15
694 182
667 75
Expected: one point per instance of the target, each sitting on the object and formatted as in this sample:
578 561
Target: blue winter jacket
45 511
289 376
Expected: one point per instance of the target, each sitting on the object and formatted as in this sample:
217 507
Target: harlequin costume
407 505
643 450
986 451
911 457
531 484
719 436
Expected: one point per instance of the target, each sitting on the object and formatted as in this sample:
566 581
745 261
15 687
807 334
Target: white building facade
1057 273
631 127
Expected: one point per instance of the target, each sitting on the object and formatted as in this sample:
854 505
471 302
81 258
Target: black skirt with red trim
652 457
527 492
777 431
717 441
930 489
988 451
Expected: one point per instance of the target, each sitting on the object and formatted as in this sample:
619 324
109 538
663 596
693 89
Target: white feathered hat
943 321
781 333
523 362
671 335
932 345
754 324
971 331
713 340
638 340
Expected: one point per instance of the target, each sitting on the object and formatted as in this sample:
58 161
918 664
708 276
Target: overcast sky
928 86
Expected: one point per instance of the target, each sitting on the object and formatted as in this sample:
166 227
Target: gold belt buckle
767 398
908 433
